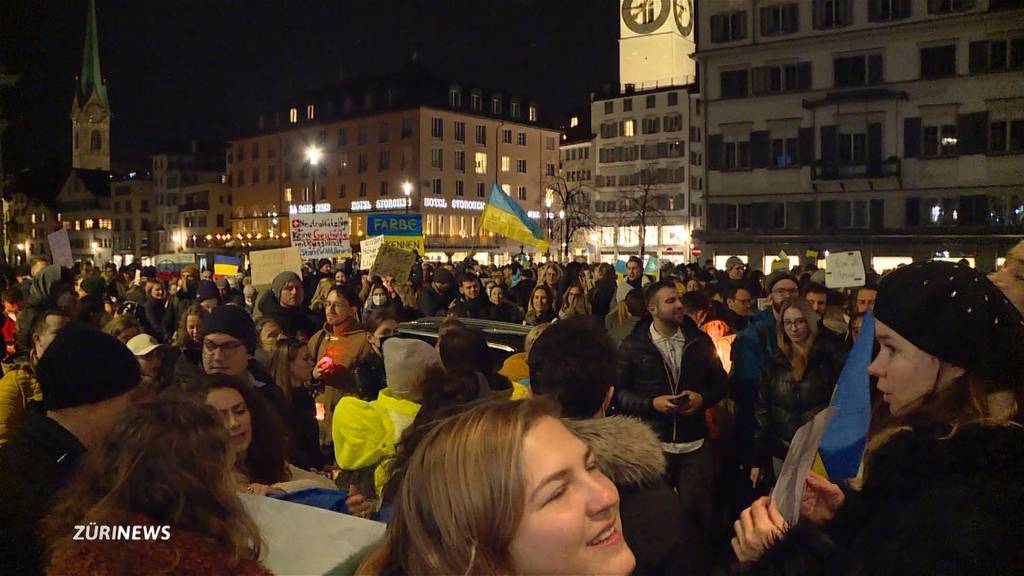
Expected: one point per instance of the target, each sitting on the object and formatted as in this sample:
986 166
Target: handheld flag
225 265
843 444
506 218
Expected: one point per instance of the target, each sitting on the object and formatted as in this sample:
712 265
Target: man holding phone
668 372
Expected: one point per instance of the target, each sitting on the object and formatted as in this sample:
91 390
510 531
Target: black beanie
233 321
84 366
444 276
956 314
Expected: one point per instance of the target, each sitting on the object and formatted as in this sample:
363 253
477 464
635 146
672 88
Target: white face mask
378 299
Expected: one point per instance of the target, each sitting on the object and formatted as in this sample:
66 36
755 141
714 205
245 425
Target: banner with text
320 235
404 231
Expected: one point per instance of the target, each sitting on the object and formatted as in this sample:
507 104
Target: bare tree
643 205
572 210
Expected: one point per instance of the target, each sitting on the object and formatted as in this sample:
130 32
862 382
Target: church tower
90 111
656 40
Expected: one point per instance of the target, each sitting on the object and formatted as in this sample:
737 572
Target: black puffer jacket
784 403
931 504
642 376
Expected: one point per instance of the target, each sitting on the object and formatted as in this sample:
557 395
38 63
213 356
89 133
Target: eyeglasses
211 346
799 322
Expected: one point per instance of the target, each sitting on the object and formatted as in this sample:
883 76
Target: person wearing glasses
796 383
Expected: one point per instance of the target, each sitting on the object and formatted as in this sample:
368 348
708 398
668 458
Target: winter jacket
345 345
521 292
18 387
155 310
601 296
750 350
508 312
480 308
642 376
625 287
188 553
931 503
628 452
176 308
291 320
38 461
533 319
618 327
784 404
432 303
304 430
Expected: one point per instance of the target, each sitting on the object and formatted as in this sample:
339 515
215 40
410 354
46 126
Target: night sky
184 69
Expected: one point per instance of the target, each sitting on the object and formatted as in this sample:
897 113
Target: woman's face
795 325
270 333
573 295
235 412
302 367
905 372
379 296
384 329
157 293
551 276
570 523
337 309
193 324
540 301
339 277
495 295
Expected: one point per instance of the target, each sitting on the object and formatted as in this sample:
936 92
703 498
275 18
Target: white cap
143 344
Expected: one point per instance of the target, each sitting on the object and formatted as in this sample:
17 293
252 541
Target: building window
361 163
532 111
475 101
241 178
651 125
287 173
255 175
939 141
507 189
780 19
436 128
506 136
521 166
405 130
549 170
383 160
293 115
736 155
785 78
673 98
460 132
480 162
516 109
652 101
674 123
938 61
437 158
362 189
436 186
481 135
853 148
383 132
888 10
609 107
383 187
734 84
480 189
287 195
628 128
521 193
454 97
996 55
832 14
360 135
1006 136
460 188
857 70
495 105
785 152
255 150
460 161
506 163
947 6
342 191
521 138
729 27
95 140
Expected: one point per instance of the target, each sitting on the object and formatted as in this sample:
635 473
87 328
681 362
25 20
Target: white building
895 127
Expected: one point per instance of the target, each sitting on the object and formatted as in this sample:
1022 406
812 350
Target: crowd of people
638 431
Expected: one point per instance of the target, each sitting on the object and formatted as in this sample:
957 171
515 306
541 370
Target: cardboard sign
368 251
294 546
266 264
60 248
320 235
844 270
393 262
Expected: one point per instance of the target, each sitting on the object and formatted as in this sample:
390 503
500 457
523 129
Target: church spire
91 78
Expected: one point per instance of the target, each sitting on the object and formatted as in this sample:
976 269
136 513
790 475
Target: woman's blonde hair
120 324
152 285
462 497
797 355
168 461
281 364
181 336
582 307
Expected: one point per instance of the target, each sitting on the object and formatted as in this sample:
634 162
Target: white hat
405 363
143 344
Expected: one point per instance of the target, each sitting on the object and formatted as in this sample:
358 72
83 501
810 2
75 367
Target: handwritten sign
369 249
844 270
266 264
60 248
393 262
320 235
789 489
293 548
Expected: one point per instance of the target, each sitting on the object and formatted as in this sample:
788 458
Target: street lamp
407 190
313 155
547 214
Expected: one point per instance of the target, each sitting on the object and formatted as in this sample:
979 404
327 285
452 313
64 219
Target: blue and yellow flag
505 218
225 265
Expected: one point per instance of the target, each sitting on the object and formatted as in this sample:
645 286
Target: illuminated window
310 112
533 113
287 195
293 115
507 189
506 163
574 121
480 162
89 223
33 218
627 128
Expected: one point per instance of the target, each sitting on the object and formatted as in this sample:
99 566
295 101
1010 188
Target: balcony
889 168
194 205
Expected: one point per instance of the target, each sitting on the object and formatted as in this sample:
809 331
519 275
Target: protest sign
393 262
60 248
844 270
302 539
225 265
403 231
269 263
320 235
789 489
368 251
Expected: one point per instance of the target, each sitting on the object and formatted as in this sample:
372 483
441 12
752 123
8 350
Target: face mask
379 299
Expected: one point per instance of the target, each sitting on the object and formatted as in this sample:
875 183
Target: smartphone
682 402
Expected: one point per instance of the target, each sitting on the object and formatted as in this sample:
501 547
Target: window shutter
875 148
874 69
791 14
978 59
765 20
873 15
759 80
828 144
965 135
818 9
714 152
844 12
979 121
742 28
803 76
806 136
759 149
718 27
911 137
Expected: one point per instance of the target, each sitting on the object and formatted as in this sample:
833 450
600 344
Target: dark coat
929 505
37 462
291 320
521 292
642 376
628 452
784 404
176 308
601 296
154 311
508 312
479 308
432 303
304 431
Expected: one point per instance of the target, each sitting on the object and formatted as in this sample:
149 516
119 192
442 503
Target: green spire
91 78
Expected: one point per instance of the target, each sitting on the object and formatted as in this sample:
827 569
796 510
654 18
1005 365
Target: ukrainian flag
505 218
225 265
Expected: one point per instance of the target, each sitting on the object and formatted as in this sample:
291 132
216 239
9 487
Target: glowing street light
407 190
313 154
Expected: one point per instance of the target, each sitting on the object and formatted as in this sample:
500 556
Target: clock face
683 12
645 16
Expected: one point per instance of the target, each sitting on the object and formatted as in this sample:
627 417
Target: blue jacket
750 351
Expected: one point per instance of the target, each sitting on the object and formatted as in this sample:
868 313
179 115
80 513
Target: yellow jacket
18 387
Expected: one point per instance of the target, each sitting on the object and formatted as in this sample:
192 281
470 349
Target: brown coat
345 344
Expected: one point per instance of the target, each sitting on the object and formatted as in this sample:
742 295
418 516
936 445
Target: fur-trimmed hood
627 451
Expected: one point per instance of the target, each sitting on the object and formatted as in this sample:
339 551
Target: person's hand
690 402
357 504
664 404
757 528
821 499
755 475
324 366
258 489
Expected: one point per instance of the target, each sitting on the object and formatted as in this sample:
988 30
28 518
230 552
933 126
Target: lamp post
547 214
313 155
565 235
407 190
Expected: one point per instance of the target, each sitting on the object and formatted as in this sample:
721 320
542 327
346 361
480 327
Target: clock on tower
656 43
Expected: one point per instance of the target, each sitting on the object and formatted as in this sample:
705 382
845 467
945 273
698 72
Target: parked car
503 339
